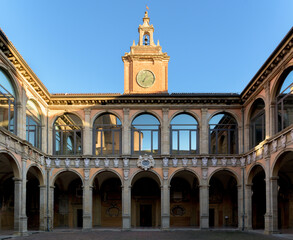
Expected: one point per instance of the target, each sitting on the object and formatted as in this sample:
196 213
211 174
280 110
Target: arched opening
33 198
257 123
184 200
284 100
258 197
145 135
107 200
7 192
67 135
223 200
33 124
68 195
223 134
145 201
107 135
184 134
284 171
7 103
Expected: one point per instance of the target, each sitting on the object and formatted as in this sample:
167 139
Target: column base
204 222
86 223
165 224
126 222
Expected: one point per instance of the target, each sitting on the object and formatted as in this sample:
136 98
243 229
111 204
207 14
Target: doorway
146 215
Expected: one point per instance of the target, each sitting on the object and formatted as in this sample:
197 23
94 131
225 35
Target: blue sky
214 46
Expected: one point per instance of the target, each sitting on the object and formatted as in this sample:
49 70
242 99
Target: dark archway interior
258 198
223 200
68 195
107 200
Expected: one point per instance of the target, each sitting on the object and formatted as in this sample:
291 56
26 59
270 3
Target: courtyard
150 234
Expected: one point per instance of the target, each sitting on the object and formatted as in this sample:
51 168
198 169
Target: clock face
145 78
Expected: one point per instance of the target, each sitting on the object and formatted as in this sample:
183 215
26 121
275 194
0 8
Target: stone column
268 214
165 201
42 208
248 207
23 218
17 205
126 202
44 136
204 132
204 201
267 110
87 203
274 204
51 208
50 140
165 133
240 206
246 137
126 133
87 137
21 124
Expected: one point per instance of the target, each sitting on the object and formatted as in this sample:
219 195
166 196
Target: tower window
146 39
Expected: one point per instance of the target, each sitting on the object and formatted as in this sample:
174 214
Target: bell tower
145 66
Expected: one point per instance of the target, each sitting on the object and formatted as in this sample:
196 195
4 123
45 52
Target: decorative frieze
67 163
283 141
86 163
165 162
184 162
175 162
194 162
233 161
106 162
57 163
204 162
48 162
214 162
97 163
224 162
242 161
116 162
77 162
125 162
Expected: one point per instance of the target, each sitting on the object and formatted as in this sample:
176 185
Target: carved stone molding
146 162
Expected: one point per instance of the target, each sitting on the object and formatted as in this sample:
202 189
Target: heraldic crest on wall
146 162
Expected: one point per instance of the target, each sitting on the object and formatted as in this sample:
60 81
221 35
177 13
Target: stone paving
147 234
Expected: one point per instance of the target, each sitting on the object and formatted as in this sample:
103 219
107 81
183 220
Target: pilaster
165 201
17 205
204 132
87 137
87 202
204 201
126 204
165 133
126 133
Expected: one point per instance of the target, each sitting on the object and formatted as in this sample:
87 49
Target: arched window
67 135
257 123
33 124
146 39
107 135
184 137
7 103
145 135
223 134
284 102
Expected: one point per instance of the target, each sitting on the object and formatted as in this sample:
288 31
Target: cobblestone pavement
151 235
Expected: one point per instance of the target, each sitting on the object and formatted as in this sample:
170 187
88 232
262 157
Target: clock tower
145 66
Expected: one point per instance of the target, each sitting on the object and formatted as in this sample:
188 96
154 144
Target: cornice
151 99
22 67
269 66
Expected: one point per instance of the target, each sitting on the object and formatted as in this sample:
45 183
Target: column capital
87 111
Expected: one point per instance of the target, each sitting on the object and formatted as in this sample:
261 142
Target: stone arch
138 113
13 162
277 162
250 109
13 79
280 80
133 177
184 169
55 117
225 112
40 173
251 172
106 170
191 113
34 100
98 114
57 174
225 169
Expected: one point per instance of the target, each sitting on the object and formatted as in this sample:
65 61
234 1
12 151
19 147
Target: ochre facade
146 158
